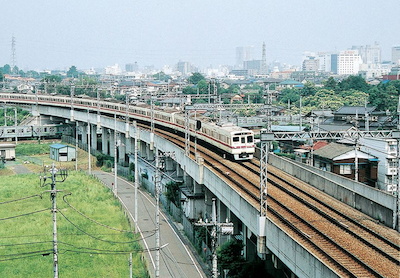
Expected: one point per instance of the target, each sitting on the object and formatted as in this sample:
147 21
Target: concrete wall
373 202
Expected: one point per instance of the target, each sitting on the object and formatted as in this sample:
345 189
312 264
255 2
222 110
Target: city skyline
103 33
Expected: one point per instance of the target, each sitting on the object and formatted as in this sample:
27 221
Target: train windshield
243 138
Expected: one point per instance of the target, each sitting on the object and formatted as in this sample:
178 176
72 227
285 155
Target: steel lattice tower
13 54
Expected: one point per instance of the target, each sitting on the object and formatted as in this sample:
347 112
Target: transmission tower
13 55
264 60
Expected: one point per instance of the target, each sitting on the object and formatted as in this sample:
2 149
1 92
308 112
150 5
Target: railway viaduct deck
284 250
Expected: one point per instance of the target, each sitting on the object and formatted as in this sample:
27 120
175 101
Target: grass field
94 236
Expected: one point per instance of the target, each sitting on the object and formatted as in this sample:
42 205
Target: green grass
32 148
22 236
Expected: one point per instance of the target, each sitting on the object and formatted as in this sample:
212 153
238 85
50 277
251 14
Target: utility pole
89 146
225 228
16 124
76 146
115 156
157 185
136 174
56 176
157 191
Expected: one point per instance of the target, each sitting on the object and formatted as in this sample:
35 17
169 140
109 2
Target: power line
22 198
98 223
101 250
26 243
25 214
92 236
44 254
28 253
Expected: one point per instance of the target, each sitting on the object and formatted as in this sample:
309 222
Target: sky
55 34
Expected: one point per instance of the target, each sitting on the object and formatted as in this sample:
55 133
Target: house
340 159
60 152
7 152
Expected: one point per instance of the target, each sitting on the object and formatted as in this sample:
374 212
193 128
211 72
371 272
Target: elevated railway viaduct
308 233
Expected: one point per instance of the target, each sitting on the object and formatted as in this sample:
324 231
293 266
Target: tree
7 69
52 78
229 257
196 78
72 72
330 84
161 76
354 82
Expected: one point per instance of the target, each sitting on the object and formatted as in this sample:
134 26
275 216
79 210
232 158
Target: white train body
232 140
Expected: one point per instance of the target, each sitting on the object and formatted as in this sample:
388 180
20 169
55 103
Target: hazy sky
96 33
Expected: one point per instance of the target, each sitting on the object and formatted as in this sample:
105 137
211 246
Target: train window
235 139
243 139
249 139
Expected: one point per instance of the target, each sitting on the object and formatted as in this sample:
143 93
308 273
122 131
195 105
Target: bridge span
288 251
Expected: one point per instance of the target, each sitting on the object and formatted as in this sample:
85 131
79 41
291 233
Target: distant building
113 70
370 54
334 63
60 152
396 55
394 74
325 61
253 65
310 64
184 67
131 67
243 53
349 62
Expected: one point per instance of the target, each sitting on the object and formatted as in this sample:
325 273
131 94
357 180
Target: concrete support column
93 137
112 142
143 149
84 134
105 137
122 148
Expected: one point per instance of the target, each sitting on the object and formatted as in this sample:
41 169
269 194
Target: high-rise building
349 62
244 53
183 67
334 63
131 67
310 64
370 54
325 61
396 55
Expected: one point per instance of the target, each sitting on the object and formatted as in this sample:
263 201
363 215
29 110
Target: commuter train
232 140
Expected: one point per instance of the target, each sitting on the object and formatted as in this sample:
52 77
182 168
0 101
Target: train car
231 140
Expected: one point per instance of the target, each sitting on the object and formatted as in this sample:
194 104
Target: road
177 259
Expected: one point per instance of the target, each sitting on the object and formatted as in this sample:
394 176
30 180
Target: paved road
176 259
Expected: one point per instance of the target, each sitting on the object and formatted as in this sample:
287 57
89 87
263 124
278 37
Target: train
233 141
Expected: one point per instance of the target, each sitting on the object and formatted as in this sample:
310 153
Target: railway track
349 242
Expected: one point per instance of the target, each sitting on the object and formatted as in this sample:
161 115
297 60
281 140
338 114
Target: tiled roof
333 150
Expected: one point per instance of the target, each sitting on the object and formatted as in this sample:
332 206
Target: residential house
340 159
